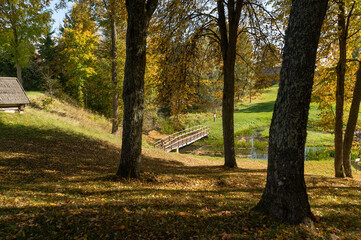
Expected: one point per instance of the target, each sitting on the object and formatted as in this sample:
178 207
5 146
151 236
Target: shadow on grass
30 154
196 218
56 185
127 221
258 107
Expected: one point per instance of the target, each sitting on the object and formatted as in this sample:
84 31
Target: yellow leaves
79 42
126 210
119 227
183 214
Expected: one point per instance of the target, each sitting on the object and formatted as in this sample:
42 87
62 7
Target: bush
166 126
319 154
260 145
243 144
46 102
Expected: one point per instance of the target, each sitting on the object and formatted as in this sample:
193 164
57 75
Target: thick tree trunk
351 124
341 70
228 47
113 28
285 196
228 115
19 72
139 14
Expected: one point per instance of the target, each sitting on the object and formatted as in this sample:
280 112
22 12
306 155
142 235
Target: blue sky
58 15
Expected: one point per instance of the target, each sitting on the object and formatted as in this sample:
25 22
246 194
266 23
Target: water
263 154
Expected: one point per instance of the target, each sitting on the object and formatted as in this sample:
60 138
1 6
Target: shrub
319 154
46 102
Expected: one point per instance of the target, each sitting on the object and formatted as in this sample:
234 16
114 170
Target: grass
255 118
57 182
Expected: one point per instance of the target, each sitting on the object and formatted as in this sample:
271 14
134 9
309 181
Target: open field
252 121
57 182
255 118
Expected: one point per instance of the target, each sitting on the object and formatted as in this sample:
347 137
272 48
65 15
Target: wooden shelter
12 95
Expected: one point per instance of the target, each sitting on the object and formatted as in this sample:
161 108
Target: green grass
255 118
57 182
60 115
319 139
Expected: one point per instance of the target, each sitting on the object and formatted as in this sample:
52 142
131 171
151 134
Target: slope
57 181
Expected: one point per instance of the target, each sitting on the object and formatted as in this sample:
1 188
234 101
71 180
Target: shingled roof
11 92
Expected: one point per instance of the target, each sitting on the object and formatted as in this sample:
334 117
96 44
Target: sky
58 15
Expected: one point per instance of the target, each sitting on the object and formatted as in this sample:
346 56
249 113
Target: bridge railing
182 138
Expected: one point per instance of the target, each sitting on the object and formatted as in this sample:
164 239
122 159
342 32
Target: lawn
255 119
57 182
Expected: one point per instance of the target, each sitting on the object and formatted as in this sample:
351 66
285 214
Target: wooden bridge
182 138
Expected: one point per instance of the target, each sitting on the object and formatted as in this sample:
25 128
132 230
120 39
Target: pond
254 149
310 152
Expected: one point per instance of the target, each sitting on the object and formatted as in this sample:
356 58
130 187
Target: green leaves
22 23
79 43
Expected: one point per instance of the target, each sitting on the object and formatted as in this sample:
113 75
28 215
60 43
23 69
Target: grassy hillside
57 181
58 116
255 118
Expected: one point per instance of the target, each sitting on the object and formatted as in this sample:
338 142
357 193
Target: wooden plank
182 138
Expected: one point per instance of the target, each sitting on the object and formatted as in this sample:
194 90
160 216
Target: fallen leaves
60 189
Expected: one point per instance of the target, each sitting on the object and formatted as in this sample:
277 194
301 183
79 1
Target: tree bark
351 124
17 54
228 47
285 196
340 89
115 102
139 14
19 72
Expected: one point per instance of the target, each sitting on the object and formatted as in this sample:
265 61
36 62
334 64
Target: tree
79 42
228 42
113 12
181 83
220 23
47 53
285 195
340 87
139 15
339 43
267 66
351 123
22 22
115 102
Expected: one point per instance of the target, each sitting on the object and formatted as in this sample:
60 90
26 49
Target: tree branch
151 5
222 25
348 18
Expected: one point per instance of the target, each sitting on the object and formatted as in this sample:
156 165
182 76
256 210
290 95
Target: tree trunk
228 116
19 72
351 124
228 47
113 28
285 196
17 54
139 14
340 70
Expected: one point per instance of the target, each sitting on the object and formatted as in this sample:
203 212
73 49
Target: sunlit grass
255 118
